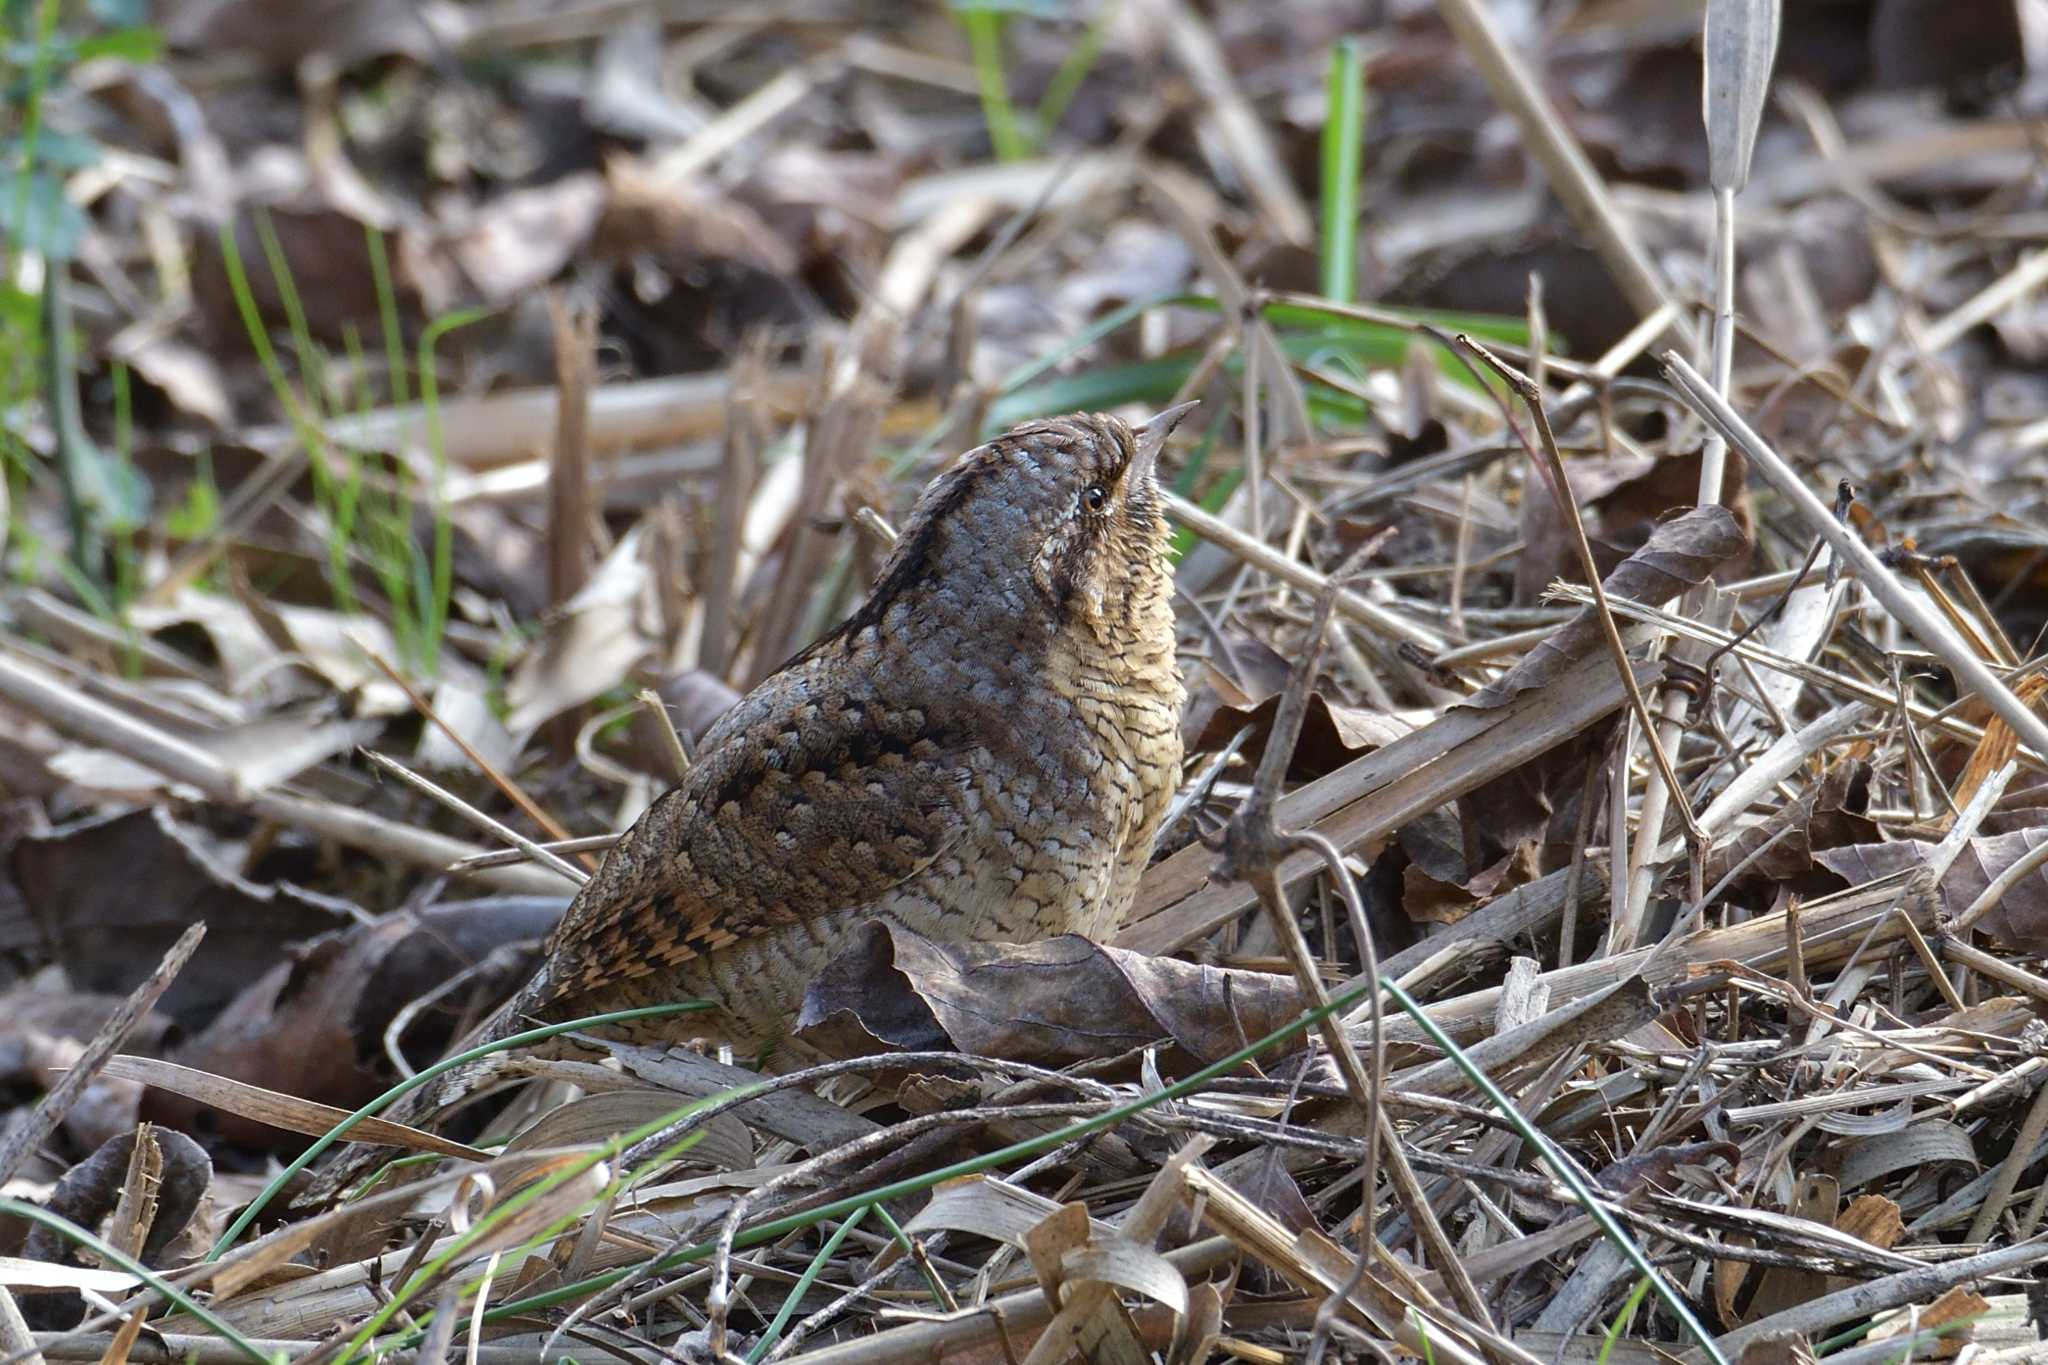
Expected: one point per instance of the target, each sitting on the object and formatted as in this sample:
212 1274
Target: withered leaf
2021 916
1053 1003
111 895
1828 815
1679 553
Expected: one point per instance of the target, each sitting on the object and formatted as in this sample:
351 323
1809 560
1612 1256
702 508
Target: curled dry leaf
1054 1003
987 1206
92 1190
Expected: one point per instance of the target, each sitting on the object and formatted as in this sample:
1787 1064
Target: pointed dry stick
44 1118
1529 395
476 817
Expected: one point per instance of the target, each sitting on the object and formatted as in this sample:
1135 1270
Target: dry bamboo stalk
93 722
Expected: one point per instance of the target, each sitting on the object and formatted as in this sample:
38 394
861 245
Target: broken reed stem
1671 707
24 1138
468 812
678 752
15 1338
1547 444
1252 850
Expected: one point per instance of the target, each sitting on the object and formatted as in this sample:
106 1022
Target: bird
984 749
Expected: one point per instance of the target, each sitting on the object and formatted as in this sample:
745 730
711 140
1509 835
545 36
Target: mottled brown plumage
984 750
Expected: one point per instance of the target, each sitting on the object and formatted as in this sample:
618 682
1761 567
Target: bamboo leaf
1741 44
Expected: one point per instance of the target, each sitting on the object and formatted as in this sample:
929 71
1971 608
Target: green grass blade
1066 82
804 1283
72 1232
984 24
1343 141
1567 1172
387 315
434 611
1623 1319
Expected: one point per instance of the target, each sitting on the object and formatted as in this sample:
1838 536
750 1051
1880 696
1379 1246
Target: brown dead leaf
109 931
1634 507
1051 1003
1332 734
1827 815
2021 916
1678 554
312 1023
91 1190
1428 896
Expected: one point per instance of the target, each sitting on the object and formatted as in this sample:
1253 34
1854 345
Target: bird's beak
1152 439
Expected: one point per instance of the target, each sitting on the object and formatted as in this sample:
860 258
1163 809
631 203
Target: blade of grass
1343 140
32 127
434 610
803 1284
304 424
502 1213
387 315
1623 1319
1065 82
983 20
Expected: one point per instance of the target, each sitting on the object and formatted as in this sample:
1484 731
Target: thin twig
1883 585
477 817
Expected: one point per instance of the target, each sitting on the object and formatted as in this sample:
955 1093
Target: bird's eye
1095 497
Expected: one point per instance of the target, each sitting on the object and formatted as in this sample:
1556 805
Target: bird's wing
798 805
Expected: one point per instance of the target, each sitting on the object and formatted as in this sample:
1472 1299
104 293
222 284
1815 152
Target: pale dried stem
1932 631
1565 165
1266 559
470 813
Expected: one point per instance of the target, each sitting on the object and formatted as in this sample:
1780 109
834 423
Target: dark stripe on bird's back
911 561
